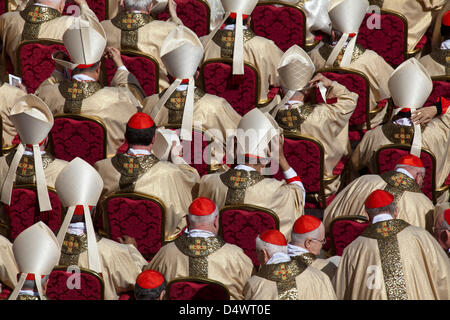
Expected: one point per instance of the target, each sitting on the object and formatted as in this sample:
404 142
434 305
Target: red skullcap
233 16
140 120
411 160
202 207
305 224
150 279
31 276
274 237
447 216
379 199
79 210
446 19
405 110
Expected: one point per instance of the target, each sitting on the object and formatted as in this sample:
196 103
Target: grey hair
199 220
270 248
405 166
138 4
300 238
390 208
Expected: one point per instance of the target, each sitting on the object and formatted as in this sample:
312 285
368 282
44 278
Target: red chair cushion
77 138
37 64
283 25
218 81
142 68
240 227
440 89
190 290
6 291
344 232
140 219
388 41
194 14
57 288
98 6
387 159
2 7
24 211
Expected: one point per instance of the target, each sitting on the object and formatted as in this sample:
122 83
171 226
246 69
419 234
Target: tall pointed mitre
79 184
254 134
36 252
346 16
295 71
238 8
181 53
33 121
86 42
410 86
163 143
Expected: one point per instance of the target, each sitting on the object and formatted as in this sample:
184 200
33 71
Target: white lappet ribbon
21 282
347 58
42 193
416 146
93 255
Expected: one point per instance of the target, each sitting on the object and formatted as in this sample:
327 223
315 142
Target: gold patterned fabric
131 168
74 92
385 233
237 182
129 23
284 275
72 247
225 40
398 183
306 258
28 297
25 173
397 133
443 58
198 249
378 3
34 16
291 119
326 50
175 104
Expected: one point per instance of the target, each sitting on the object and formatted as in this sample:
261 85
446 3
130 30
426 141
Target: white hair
141 5
52 3
405 166
270 248
202 220
300 238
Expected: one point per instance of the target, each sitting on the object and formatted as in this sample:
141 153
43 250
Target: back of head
412 164
380 202
137 5
202 214
140 130
306 227
271 241
150 284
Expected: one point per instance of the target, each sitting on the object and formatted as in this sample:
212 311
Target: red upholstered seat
389 41
240 225
136 215
35 61
91 285
441 88
98 6
387 156
196 289
3 7
78 136
285 25
24 211
217 80
6 291
195 14
144 67
346 229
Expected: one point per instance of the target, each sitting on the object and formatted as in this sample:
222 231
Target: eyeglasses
321 241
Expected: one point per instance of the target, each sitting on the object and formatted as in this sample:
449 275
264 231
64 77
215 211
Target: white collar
232 27
404 122
29 293
182 87
293 102
82 77
42 5
382 217
77 228
30 153
401 170
197 233
138 152
279 257
445 45
294 251
244 167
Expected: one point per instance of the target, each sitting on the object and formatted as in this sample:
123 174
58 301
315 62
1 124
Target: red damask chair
5 291
143 66
196 289
195 14
388 155
91 285
136 215
441 88
306 156
24 211
80 136
344 230
241 224
390 41
100 8
3 6
281 22
35 63
192 154
358 83
217 79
